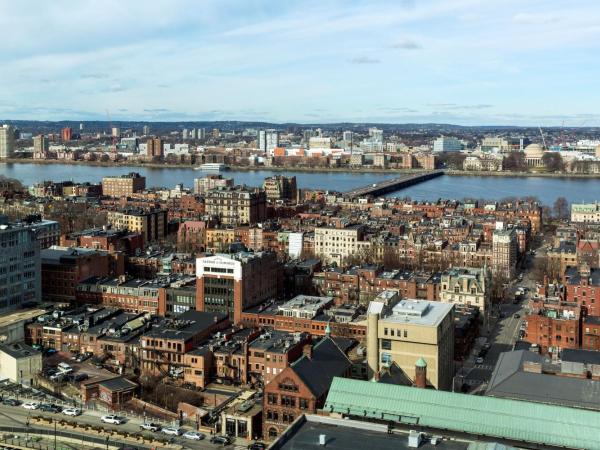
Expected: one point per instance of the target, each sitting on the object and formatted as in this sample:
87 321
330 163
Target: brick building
123 185
302 387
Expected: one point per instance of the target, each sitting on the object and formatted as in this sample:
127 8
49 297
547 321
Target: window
303 403
271 399
386 344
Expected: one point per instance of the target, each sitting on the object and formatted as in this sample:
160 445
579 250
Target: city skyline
464 62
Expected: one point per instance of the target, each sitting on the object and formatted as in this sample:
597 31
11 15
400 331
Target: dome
534 151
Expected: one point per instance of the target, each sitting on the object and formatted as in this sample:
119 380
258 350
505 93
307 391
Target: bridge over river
395 184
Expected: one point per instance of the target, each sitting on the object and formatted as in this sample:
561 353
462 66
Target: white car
115 420
31 405
71 411
193 435
172 431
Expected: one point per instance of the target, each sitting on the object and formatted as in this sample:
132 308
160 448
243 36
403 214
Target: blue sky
467 62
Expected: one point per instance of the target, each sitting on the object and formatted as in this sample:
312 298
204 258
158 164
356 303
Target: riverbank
152 165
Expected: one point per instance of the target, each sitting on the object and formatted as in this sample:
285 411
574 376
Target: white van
64 367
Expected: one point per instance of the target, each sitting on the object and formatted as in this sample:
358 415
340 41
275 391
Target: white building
295 244
268 140
376 134
585 212
7 141
304 306
447 144
19 363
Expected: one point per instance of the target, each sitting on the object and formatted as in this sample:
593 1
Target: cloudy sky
532 62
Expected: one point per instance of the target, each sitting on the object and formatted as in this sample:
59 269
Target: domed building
533 155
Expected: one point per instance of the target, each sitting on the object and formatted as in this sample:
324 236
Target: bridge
395 184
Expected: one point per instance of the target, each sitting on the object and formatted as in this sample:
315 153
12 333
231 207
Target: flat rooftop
347 434
18 316
418 312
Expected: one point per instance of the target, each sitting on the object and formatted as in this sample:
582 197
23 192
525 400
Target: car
479 360
517 315
193 435
257 446
149 426
80 377
74 356
11 402
71 412
49 408
174 431
115 420
31 405
220 440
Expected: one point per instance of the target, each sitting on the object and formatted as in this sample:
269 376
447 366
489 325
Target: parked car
516 315
31 405
115 420
71 412
220 440
193 435
257 446
80 377
11 402
172 431
50 408
479 360
150 426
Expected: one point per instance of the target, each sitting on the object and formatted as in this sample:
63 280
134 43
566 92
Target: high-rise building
231 283
204 184
40 144
155 147
20 266
7 141
411 334
123 185
145 130
447 144
201 133
504 253
376 134
80 126
268 140
66 134
194 133
185 134
116 132
347 136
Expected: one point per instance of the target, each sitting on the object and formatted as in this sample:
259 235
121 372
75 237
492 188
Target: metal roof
493 417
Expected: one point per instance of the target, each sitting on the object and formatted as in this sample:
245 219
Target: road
503 336
17 416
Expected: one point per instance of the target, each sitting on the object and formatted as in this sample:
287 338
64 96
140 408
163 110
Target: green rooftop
493 417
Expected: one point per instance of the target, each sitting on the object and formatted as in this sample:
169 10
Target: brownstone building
302 387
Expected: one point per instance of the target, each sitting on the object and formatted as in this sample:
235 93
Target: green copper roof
421 363
493 417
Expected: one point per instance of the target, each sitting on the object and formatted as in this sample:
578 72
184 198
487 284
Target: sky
466 62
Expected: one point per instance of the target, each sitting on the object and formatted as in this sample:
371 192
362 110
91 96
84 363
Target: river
452 187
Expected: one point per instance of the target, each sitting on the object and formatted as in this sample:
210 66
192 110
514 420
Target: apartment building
585 212
7 141
280 187
151 224
230 283
236 206
205 184
123 185
504 253
406 331
467 286
336 245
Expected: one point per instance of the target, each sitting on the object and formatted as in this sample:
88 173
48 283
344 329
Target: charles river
449 187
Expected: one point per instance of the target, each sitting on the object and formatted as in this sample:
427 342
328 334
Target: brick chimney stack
421 373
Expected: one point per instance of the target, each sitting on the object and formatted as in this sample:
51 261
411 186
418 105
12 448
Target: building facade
123 185
151 224
236 206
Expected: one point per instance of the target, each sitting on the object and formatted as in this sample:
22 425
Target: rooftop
18 350
418 312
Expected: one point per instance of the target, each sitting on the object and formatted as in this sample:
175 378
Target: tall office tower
20 266
194 134
201 133
376 134
145 130
80 126
347 136
66 134
7 141
40 144
155 147
268 140
185 134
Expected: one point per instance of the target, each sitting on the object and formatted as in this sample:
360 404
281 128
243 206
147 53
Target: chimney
421 373
307 351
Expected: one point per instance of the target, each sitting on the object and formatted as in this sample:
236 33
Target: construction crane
543 138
